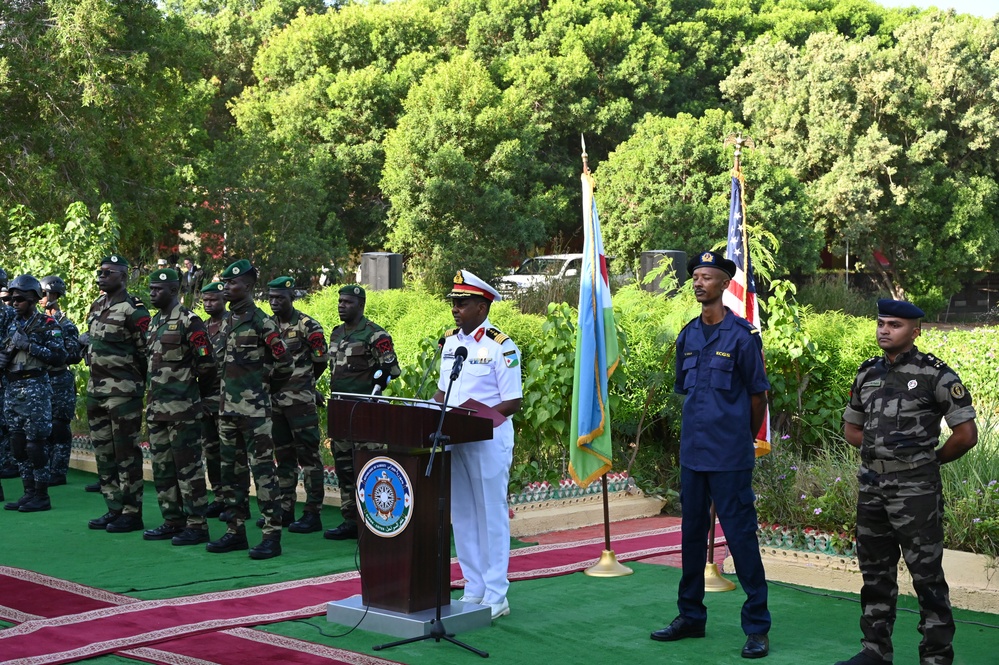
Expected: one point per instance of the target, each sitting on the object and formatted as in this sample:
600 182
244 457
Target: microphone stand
437 630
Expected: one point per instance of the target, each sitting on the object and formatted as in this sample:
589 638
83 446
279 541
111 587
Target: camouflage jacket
255 356
900 405
45 346
70 340
210 400
356 354
306 342
181 366
117 351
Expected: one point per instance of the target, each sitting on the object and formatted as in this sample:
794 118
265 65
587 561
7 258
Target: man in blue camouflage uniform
115 348
181 370
896 404
296 419
31 344
8 467
63 383
255 359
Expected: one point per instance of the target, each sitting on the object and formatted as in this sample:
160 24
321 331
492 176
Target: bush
829 293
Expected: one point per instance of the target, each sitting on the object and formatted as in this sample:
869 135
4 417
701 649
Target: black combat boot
268 548
38 502
229 542
29 492
309 523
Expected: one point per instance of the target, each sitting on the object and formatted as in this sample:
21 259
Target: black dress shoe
267 549
92 487
757 646
214 509
230 542
126 523
864 658
101 523
162 532
191 536
678 630
346 531
309 523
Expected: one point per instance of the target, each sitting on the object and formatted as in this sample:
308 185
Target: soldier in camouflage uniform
115 348
358 350
255 359
896 404
181 370
63 383
8 467
30 345
296 419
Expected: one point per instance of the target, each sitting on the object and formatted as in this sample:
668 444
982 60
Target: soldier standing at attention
296 419
63 383
8 467
213 300
358 349
31 343
255 359
115 347
896 404
181 370
480 470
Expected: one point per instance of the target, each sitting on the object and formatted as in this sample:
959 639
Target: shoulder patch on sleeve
452 331
496 335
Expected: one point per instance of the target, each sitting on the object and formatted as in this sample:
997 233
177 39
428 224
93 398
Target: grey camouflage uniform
900 504
63 398
7 315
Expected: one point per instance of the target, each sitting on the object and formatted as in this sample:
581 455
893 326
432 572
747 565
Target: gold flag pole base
608 567
713 580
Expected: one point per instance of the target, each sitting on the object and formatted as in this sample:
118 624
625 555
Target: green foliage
829 292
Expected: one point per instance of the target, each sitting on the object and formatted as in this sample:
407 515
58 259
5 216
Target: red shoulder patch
384 344
317 341
276 345
143 324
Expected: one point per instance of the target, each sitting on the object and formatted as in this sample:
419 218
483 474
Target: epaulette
496 336
452 331
753 330
137 302
869 362
935 362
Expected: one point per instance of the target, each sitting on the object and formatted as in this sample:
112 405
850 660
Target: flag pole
608 565
713 580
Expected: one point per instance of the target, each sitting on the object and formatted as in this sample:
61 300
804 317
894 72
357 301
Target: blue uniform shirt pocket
689 372
721 372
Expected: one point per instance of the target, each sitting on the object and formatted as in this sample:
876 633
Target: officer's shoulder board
136 302
935 362
870 362
452 331
753 330
496 336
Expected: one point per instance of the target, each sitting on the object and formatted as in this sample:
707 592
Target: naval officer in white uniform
480 470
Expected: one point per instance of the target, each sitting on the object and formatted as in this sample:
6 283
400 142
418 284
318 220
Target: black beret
711 260
899 308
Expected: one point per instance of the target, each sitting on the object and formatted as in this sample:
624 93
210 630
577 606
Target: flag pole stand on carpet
713 580
608 565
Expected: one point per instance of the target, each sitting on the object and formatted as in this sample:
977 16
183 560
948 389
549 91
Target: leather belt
26 374
881 466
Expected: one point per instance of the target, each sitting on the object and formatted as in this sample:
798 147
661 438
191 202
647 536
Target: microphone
440 344
380 382
459 357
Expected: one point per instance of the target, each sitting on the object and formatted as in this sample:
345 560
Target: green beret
214 287
352 290
115 260
281 283
164 276
237 269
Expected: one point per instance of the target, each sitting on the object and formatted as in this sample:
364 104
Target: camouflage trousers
343 461
902 513
6 458
211 445
115 425
178 472
63 412
28 411
252 435
296 443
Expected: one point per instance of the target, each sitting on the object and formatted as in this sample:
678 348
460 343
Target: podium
397 539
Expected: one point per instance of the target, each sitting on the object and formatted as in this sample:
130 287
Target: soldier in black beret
896 404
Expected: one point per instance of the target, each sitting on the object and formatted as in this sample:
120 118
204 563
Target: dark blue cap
899 309
711 260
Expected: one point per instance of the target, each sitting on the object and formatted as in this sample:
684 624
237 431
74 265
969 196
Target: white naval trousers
480 474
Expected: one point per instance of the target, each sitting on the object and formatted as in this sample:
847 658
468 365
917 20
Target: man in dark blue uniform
719 367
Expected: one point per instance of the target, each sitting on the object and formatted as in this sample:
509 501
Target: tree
668 186
896 144
458 173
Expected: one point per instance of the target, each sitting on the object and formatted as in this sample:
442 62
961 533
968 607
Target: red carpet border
210 628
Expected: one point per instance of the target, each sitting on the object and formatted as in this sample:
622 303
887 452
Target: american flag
741 294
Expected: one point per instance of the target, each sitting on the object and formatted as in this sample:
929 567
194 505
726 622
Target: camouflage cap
238 269
281 283
214 287
164 276
899 309
115 260
353 290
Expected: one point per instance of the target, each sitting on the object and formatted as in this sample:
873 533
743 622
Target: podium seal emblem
384 497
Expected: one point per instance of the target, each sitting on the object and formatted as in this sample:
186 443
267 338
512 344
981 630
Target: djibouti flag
596 355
